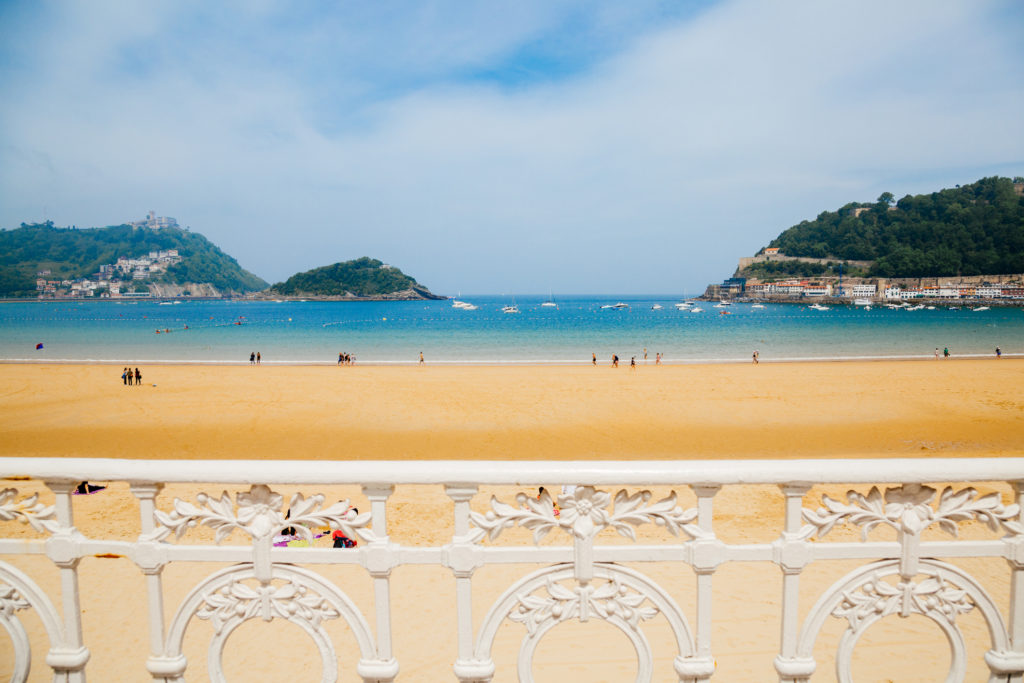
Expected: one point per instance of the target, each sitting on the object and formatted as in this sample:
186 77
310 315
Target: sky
517 147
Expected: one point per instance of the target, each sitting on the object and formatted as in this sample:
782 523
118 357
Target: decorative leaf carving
27 511
584 514
610 599
237 600
933 597
908 509
11 600
259 515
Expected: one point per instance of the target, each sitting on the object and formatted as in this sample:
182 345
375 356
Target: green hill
70 253
976 229
362 277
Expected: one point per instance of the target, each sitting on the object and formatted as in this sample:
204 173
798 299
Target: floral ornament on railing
238 601
583 514
609 600
933 596
11 601
908 509
259 515
28 511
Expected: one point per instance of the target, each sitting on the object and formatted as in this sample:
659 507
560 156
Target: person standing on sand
999 352
421 358
632 363
645 355
945 353
615 360
339 358
593 359
138 377
257 358
756 354
252 358
936 353
124 376
130 376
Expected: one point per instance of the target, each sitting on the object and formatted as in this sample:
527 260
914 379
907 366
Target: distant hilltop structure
155 222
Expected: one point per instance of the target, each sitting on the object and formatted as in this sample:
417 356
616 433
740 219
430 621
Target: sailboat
550 303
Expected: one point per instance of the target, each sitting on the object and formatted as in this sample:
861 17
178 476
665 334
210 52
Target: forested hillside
70 253
976 229
362 277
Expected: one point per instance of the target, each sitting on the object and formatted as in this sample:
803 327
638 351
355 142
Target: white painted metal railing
583 579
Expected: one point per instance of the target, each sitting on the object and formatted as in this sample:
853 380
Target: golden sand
850 409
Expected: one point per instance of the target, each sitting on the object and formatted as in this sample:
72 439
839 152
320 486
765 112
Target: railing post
461 558
380 560
150 558
792 554
707 555
1011 664
67 660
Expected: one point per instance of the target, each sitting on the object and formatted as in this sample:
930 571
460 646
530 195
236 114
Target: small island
361 279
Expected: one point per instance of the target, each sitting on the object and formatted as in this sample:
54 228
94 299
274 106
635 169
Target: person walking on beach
252 358
340 355
632 363
936 353
138 377
756 356
593 359
645 355
615 360
421 358
945 353
999 352
257 358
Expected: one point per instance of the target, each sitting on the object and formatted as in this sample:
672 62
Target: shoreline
525 362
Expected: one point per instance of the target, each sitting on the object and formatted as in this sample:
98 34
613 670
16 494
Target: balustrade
573 570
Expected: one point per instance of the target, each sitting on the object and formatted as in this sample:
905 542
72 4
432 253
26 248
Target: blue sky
500 147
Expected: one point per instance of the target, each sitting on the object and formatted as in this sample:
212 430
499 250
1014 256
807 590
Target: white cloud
651 170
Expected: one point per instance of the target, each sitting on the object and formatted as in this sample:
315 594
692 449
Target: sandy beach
849 409
968 408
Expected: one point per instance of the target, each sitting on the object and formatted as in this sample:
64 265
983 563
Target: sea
396 332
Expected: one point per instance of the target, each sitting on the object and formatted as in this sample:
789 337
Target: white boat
696 310
657 307
618 305
930 308
980 308
510 309
549 304
862 302
818 307
684 304
723 304
919 307
758 306
867 308
464 305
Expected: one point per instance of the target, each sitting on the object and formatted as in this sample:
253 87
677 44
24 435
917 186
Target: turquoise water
396 332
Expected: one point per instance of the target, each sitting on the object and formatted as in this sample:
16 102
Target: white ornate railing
585 578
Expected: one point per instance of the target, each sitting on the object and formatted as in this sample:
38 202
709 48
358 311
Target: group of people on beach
632 360
255 358
127 375
346 359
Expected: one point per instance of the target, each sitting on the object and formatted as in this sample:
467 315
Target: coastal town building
110 278
155 222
